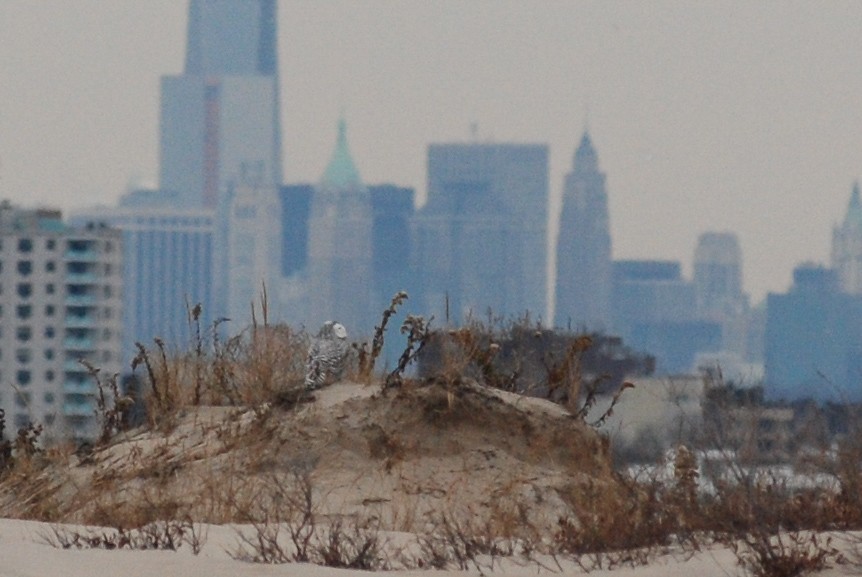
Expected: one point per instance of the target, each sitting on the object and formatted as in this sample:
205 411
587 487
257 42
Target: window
23 355
49 354
49 397
106 356
21 420
49 418
50 266
49 376
23 377
108 292
49 310
50 244
24 311
49 288
107 313
25 267
25 245
22 399
24 334
106 334
25 289
49 332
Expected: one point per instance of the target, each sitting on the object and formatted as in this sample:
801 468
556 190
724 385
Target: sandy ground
24 552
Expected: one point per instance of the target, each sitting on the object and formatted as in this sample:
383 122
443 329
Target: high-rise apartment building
60 302
167 268
583 287
220 117
847 247
340 246
479 243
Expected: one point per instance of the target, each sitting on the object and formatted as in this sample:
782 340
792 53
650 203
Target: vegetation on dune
225 433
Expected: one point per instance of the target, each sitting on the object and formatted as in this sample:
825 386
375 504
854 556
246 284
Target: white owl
326 356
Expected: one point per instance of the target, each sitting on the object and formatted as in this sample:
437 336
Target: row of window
25 333
27 245
26 311
25 267
25 290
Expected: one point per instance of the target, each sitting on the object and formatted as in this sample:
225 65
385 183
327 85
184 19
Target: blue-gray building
479 243
813 344
392 207
220 117
167 268
654 311
583 288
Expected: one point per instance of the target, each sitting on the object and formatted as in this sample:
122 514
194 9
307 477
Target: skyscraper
248 244
167 268
847 246
479 242
220 118
813 342
583 289
718 288
340 245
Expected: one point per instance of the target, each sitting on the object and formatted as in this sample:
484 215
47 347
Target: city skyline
707 117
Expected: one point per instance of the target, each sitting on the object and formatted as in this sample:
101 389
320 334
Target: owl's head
332 329
339 331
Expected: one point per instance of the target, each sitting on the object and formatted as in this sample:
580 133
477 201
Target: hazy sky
742 116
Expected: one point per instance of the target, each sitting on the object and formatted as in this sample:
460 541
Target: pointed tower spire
586 159
341 171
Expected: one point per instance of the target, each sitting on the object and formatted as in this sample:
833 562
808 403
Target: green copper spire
854 209
341 172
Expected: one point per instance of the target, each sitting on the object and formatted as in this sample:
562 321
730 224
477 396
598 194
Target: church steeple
586 159
341 171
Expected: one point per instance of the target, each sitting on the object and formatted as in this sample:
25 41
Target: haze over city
722 116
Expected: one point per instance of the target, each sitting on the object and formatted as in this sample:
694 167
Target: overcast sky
742 116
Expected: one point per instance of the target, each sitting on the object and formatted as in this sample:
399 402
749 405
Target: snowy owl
326 355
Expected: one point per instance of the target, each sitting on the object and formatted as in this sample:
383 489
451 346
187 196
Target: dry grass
463 458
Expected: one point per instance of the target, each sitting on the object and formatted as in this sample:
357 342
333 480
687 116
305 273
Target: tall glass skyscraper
583 289
480 243
220 118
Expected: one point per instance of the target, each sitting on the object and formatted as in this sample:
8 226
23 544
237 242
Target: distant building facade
479 243
847 246
813 343
340 246
248 244
583 286
167 268
221 114
60 303
392 207
718 288
654 310
295 212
